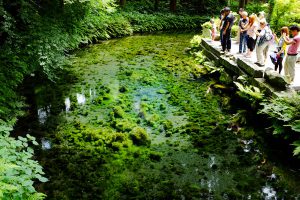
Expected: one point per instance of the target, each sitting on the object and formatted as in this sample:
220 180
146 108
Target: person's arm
288 41
224 32
245 25
220 23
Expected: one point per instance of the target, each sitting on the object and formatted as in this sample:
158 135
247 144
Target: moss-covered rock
155 156
118 112
124 125
140 136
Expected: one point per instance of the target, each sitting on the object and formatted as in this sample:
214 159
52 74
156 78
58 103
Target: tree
122 3
241 3
156 4
173 5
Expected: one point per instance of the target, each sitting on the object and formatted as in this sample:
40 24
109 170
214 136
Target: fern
297 149
250 91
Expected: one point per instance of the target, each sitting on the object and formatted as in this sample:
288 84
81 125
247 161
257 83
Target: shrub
234 30
285 114
17 169
285 13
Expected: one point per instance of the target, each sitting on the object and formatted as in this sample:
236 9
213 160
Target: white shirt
252 30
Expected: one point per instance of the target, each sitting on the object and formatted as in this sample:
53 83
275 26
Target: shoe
258 64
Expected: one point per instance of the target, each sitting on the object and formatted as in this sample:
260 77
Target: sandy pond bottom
134 124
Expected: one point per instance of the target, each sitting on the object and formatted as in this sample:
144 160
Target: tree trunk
122 3
242 3
173 5
156 5
61 5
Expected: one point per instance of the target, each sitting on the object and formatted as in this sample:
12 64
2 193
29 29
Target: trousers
262 52
226 40
289 68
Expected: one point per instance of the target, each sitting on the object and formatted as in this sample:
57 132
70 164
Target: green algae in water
138 126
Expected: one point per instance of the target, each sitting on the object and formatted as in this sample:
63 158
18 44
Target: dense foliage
17 169
285 13
34 39
285 115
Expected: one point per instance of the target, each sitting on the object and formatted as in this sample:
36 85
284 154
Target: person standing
291 58
241 10
281 48
226 28
243 34
221 25
251 30
213 29
263 44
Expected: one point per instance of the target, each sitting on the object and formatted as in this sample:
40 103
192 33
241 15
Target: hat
226 9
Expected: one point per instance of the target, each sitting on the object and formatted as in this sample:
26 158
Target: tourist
263 44
243 34
260 17
221 25
226 28
241 10
281 48
213 29
291 58
251 30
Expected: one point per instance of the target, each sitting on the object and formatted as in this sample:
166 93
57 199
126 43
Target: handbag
274 57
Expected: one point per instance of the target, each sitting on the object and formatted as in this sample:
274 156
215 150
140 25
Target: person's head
263 23
294 30
261 15
252 19
241 10
284 30
212 21
226 10
222 12
244 14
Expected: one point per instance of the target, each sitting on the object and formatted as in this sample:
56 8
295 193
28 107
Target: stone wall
264 78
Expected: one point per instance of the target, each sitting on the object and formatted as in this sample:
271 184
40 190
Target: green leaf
40 178
297 151
296 126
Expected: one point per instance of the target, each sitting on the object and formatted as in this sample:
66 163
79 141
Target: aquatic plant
118 112
196 41
140 136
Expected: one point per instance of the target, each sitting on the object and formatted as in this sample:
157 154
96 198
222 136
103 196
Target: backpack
266 37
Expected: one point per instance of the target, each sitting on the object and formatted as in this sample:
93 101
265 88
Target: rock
275 80
250 68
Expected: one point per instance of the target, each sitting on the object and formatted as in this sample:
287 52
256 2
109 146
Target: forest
100 100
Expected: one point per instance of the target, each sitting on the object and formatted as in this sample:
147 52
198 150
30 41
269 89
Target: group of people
255 34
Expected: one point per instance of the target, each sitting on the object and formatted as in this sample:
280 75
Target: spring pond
130 121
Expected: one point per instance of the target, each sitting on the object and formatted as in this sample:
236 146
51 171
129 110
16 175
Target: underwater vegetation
139 123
